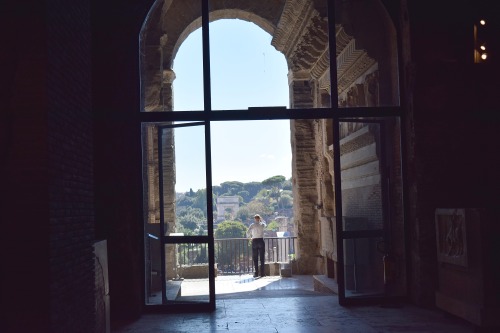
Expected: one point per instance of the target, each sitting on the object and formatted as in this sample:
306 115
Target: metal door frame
333 113
208 239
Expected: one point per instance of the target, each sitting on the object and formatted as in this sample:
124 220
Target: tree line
269 198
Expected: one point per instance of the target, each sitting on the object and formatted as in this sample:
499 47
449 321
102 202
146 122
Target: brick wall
23 207
70 164
47 278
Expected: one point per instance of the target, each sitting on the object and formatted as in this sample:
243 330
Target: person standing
256 233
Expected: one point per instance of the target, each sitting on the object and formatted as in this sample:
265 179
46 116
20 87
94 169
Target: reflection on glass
361 175
363 267
367 66
371 184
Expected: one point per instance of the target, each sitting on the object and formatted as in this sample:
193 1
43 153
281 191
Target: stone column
304 163
151 78
168 174
166 95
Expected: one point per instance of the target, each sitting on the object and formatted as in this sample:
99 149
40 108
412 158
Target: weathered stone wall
305 195
452 113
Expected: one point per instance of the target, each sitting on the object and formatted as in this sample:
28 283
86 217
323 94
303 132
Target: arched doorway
346 154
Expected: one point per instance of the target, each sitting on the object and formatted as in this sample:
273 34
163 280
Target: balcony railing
234 255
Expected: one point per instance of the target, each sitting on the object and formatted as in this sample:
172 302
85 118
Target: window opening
366 80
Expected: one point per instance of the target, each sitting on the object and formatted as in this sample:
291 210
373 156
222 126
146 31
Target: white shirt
256 230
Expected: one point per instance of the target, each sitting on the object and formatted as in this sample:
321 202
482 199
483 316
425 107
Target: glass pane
269 55
361 164
244 154
186 273
184 180
177 158
371 184
246 70
367 62
189 264
171 57
363 267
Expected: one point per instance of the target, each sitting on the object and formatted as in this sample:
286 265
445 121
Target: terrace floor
276 304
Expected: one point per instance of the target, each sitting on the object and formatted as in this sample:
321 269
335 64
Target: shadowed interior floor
291 305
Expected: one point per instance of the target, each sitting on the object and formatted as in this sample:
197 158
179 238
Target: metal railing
234 255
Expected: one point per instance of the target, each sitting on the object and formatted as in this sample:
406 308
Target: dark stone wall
117 137
70 152
46 210
454 119
24 211
70 167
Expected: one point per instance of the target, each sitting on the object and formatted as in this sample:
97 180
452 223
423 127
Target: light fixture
482 22
482 47
484 56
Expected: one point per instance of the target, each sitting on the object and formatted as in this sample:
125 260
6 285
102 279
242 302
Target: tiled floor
290 305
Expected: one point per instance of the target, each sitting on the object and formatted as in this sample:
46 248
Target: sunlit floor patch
227 284
243 283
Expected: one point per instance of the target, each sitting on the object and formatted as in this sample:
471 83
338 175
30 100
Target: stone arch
164 31
367 76
221 14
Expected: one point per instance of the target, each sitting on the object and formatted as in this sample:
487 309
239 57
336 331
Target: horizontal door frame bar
186 239
269 114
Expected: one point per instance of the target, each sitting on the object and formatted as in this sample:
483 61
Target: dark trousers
258 249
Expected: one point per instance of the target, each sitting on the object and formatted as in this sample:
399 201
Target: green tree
224 257
245 196
189 220
217 190
259 207
243 214
200 200
252 188
188 224
286 200
230 229
185 201
273 226
276 187
231 187
275 181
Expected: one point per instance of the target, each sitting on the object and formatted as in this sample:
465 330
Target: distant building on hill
227 205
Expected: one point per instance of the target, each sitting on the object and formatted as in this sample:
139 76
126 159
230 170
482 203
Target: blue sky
246 71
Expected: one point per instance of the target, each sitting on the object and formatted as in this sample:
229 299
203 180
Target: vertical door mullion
162 217
207 97
207 102
338 210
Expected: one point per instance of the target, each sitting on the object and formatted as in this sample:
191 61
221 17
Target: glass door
370 195
180 248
